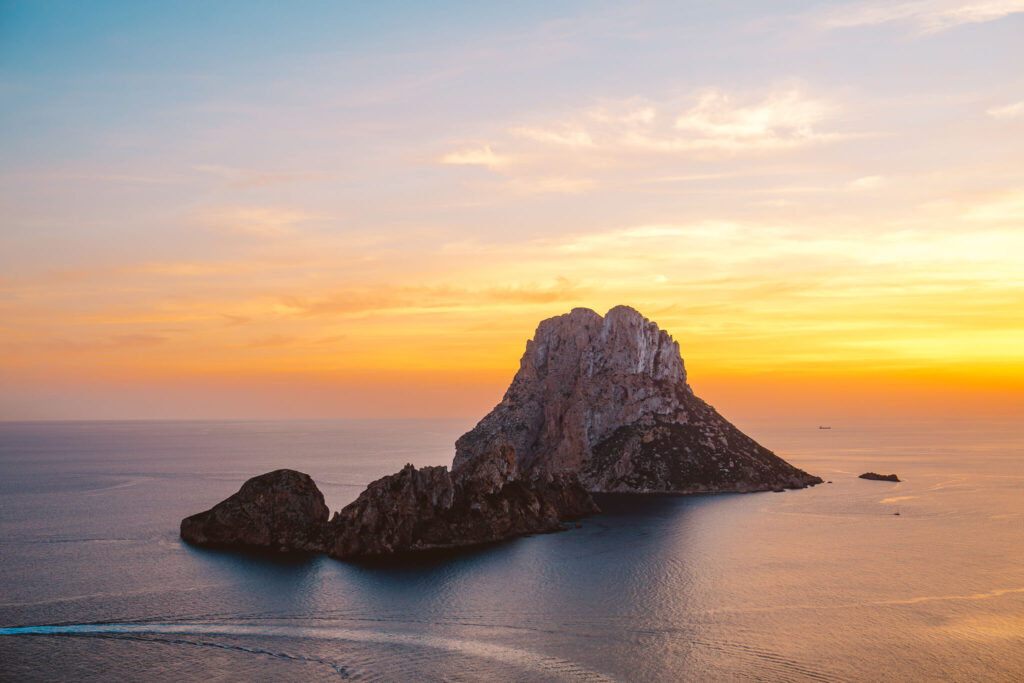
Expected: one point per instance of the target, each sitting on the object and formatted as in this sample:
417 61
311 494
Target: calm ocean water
820 584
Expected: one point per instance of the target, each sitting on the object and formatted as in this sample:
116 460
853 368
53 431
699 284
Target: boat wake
516 657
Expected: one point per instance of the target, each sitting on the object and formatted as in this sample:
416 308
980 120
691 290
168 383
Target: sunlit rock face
607 398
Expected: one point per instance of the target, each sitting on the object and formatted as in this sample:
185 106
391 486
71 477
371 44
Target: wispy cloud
869 182
784 118
1008 111
267 221
643 236
475 156
924 16
245 177
1007 208
359 302
566 152
120 341
563 289
717 121
96 176
568 134
525 186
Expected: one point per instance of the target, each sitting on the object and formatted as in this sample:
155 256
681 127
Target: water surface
821 584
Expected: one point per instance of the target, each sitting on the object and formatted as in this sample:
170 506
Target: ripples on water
820 584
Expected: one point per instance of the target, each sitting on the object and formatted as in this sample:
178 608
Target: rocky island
607 398
874 476
280 510
599 404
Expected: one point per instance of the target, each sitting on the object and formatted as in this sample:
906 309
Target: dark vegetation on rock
599 404
879 477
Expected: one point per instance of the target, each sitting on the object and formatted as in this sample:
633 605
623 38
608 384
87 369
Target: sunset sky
363 209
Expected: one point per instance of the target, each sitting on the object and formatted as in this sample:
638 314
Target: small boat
821 427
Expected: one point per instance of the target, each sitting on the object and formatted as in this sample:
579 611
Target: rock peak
623 341
591 396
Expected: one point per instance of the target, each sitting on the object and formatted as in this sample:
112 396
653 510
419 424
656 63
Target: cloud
712 123
119 341
869 182
546 184
1008 208
562 290
273 341
925 16
637 144
783 118
1009 111
475 156
237 319
716 122
245 177
566 134
420 298
266 221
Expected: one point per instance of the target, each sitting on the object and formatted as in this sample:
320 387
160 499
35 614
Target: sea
851 580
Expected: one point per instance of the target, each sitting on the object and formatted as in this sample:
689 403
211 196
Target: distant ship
821 427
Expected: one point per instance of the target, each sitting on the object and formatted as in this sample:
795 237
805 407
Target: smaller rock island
281 510
874 476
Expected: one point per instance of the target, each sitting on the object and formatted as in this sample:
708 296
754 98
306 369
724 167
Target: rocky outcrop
874 476
416 509
599 404
703 455
607 398
431 508
282 510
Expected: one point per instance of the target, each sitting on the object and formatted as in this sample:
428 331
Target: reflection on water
820 584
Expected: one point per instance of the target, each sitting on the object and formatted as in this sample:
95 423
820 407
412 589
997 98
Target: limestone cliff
607 398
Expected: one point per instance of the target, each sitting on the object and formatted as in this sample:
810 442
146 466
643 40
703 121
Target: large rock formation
482 501
598 404
416 509
607 398
280 510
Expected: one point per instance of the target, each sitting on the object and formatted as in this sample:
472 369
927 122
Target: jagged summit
607 398
581 377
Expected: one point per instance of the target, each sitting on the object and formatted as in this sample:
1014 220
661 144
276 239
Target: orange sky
824 207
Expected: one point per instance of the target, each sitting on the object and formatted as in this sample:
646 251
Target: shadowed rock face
281 510
432 508
415 509
607 398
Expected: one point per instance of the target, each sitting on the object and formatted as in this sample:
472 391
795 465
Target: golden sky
366 213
